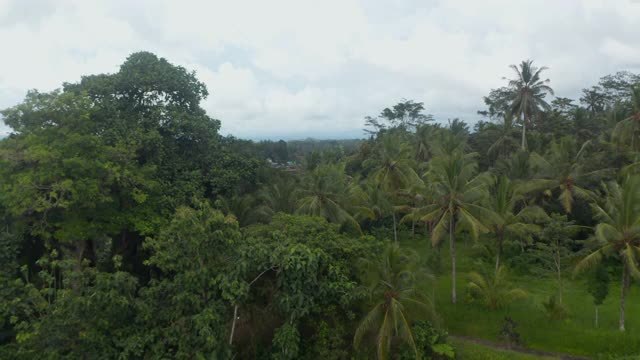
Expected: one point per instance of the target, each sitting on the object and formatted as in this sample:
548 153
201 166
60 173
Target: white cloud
306 67
620 52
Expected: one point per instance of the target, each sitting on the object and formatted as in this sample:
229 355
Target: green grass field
576 335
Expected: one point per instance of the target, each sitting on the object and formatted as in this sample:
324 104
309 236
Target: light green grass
577 335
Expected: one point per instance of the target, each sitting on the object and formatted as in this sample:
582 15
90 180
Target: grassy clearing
577 335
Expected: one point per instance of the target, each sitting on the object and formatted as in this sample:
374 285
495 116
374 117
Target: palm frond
589 262
370 321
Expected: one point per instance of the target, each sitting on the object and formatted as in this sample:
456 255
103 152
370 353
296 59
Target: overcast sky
301 68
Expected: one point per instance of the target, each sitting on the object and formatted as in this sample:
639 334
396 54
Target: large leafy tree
397 301
64 183
554 251
155 105
618 87
113 155
189 256
92 312
617 234
405 115
593 99
498 103
528 90
92 169
297 271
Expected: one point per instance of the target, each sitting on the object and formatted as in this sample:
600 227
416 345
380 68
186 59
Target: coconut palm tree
278 196
594 99
513 218
393 169
629 128
518 167
327 192
459 192
564 169
421 197
506 142
617 234
492 289
243 207
424 140
528 91
397 301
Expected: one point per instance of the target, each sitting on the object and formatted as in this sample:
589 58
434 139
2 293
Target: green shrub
554 309
509 333
431 342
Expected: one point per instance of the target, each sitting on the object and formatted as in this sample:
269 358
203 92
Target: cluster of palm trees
429 177
447 194
617 234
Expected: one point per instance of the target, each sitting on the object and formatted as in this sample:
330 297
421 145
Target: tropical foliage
492 289
131 228
396 291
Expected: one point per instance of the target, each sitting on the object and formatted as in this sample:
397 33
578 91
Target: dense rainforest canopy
132 229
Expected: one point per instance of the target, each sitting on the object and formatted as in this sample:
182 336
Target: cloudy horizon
295 69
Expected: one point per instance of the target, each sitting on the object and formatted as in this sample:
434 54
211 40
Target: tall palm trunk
413 229
452 249
623 292
499 254
78 254
559 270
524 133
560 286
395 227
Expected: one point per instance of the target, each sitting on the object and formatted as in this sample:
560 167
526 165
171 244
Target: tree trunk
413 229
81 245
235 308
596 315
79 249
623 292
233 324
452 249
500 237
558 263
560 286
524 131
395 229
